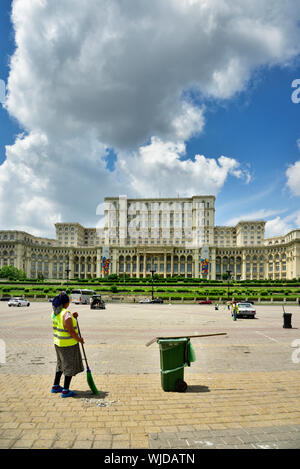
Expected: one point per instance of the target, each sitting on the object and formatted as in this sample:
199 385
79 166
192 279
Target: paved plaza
243 390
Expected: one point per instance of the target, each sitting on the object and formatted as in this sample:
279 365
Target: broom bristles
91 383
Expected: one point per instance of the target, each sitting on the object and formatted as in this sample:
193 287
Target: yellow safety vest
62 337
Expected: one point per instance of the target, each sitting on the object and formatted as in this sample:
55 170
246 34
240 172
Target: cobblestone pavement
243 390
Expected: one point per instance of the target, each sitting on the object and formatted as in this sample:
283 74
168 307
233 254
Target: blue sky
258 127
8 126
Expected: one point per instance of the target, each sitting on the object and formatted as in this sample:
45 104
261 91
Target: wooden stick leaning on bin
182 336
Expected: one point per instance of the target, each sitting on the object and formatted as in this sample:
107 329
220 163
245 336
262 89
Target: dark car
97 302
205 302
5 298
157 300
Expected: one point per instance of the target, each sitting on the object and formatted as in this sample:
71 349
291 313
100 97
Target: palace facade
171 236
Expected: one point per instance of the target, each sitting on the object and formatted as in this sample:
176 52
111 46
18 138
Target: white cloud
277 227
293 178
260 214
159 169
44 181
280 226
87 76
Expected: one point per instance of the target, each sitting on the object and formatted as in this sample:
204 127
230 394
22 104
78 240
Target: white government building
170 236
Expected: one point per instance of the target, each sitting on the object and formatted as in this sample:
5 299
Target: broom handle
82 345
181 336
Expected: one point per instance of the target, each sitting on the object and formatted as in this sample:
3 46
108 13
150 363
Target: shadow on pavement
89 395
197 388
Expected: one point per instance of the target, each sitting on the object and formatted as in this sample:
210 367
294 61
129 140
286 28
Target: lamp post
68 270
152 272
228 272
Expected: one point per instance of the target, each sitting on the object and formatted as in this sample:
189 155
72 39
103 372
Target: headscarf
59 301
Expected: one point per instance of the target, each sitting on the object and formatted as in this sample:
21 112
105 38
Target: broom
88 371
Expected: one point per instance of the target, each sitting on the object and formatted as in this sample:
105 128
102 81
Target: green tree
12 273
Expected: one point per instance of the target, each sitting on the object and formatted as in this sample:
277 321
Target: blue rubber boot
56 389
67 393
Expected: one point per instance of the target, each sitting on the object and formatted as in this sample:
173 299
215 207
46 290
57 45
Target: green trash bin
175 355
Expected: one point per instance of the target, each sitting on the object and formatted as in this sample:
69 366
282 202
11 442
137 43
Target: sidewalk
219 410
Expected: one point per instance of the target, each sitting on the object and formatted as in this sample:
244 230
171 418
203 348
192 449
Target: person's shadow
197 388
89 395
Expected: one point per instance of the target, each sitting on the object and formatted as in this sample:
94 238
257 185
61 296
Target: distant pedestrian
66 342
234 311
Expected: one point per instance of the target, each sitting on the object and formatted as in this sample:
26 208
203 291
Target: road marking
268 337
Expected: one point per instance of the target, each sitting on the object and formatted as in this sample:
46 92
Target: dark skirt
69 360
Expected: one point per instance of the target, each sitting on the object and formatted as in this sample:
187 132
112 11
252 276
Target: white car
18 302
146 300
246 310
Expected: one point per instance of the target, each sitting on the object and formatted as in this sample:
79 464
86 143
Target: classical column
144 266
138 265
195 272
243 266
296 269
212 264
28 266
19 254
172 264
98 263
131 266
165 264
71 265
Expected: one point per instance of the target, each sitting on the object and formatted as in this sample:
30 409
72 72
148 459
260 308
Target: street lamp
228 272
152 272
68 270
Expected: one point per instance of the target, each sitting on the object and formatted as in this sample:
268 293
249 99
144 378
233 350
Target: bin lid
184 337
172 340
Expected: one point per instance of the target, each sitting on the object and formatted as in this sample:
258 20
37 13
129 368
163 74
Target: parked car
246 310
148 300
205 302
18 302
97 302
145 300
81 297
5 298
157 300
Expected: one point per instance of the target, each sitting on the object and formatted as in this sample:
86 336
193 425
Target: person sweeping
66 342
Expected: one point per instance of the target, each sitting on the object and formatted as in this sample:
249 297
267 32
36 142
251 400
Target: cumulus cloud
87 76
43 182
159 169
260 214
277 227
293 178
280 226
122 69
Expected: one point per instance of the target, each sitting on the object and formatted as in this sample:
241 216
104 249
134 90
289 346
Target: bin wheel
181 386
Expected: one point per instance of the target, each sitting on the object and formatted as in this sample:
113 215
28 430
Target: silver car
18 302
246 310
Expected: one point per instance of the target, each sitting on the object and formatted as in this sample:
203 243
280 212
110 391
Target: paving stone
245 406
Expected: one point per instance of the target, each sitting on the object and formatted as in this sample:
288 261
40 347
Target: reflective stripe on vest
62 337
